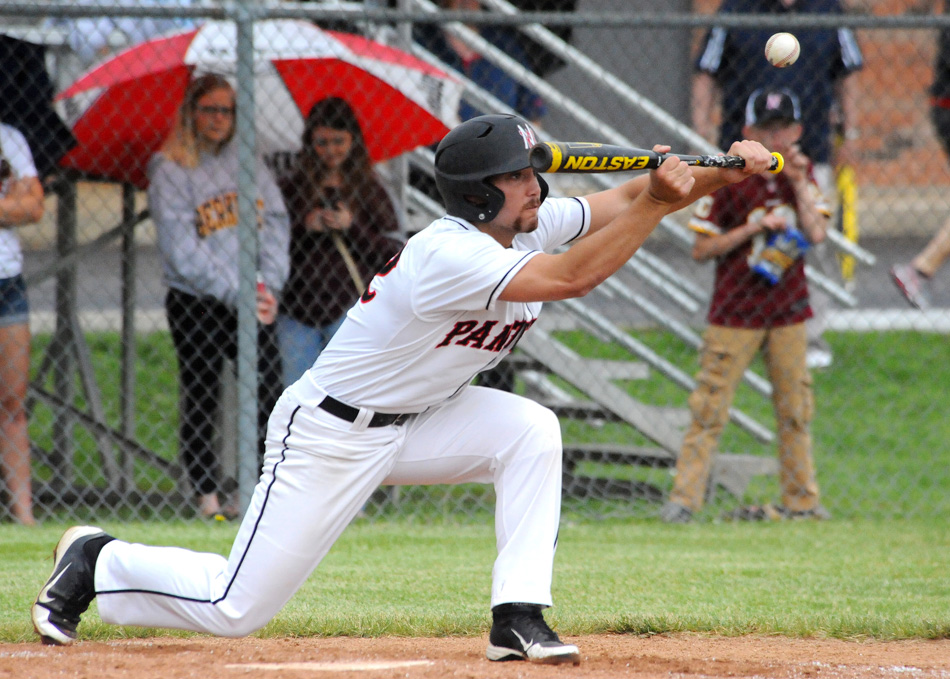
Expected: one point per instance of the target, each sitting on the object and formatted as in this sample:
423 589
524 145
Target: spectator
32 140
342 226
21 202
913 278
731 64
749 311
543 61
193 201
540 59
455 53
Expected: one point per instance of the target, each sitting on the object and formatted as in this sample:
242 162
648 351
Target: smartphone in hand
332 198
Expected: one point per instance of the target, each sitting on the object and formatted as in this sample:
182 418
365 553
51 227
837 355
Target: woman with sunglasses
193 199
21 202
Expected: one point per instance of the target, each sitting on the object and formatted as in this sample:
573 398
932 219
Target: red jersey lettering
461 328
477 339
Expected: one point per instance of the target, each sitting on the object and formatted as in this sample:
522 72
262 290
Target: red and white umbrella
122 110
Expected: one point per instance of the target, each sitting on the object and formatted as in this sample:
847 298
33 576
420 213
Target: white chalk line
363 666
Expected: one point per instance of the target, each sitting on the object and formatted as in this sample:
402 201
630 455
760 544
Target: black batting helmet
474 151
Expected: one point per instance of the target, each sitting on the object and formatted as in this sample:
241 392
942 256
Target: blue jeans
300 344
14 307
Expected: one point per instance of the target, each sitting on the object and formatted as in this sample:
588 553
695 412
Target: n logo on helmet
527 134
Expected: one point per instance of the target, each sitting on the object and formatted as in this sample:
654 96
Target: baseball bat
589 157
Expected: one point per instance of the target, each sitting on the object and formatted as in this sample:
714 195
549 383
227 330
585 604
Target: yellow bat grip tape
556 156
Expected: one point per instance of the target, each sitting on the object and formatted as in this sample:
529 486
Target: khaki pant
726 354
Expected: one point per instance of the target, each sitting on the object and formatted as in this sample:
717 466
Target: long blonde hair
181 146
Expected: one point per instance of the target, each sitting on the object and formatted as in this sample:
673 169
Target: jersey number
369 294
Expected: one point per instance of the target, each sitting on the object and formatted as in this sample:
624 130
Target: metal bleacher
543 362
541 358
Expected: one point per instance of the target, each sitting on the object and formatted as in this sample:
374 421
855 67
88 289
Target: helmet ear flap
474 200
543 184
489 209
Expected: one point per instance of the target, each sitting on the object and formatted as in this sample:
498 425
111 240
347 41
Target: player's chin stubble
526 223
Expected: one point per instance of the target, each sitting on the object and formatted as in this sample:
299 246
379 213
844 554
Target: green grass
840 579
880 435
879 431
156 421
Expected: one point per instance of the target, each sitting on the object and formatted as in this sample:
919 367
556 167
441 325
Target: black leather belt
349 413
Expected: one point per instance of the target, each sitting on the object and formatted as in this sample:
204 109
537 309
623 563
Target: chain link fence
105 401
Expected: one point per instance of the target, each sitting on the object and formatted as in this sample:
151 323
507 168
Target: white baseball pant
318 473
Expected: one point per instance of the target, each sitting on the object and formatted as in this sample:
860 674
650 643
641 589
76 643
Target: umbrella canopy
122 110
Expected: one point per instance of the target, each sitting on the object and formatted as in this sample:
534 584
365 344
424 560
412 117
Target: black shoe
70 588
519 632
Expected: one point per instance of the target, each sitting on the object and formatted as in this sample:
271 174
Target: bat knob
544 157
777 162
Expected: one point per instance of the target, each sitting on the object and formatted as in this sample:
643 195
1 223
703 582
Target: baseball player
389 401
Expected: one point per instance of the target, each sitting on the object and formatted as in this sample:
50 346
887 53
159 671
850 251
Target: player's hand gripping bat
589 157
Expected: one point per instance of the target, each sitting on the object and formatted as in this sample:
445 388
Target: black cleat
70 588
519 632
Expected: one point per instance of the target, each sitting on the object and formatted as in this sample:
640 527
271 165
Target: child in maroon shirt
750 311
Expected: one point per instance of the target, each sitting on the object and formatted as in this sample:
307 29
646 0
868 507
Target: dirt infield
680 656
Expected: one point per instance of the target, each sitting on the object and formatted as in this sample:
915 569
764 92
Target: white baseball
782 50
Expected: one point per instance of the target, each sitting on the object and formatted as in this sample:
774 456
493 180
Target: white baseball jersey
431 319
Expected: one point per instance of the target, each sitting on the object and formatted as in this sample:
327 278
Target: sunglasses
226 111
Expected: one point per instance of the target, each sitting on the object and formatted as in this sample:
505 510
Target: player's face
522 192
332 146
214 117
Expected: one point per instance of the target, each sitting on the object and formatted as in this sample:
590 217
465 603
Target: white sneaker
816 359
